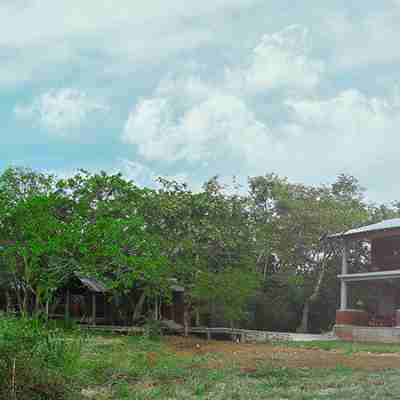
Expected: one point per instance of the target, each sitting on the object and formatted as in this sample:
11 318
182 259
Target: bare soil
248 355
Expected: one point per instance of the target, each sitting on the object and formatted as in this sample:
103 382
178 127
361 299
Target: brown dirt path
248 355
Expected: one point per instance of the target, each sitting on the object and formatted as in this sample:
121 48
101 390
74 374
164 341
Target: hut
370 299
86 300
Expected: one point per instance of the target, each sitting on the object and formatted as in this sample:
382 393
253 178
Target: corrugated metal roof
380 226
93 284
177 288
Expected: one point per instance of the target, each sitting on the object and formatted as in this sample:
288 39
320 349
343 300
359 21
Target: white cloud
349 131
365 40
138 172
61 110
306 101
212 123
221 126
280 61
145 176
218 127
121 35
131 33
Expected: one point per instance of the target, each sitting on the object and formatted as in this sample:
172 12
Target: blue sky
189 89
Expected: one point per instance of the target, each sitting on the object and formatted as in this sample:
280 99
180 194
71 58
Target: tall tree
207 234
31 233
301 216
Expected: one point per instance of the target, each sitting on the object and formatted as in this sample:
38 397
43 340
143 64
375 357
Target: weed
38 361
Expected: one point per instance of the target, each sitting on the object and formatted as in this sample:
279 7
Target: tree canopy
242 254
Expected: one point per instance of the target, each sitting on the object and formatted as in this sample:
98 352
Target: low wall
367 333
243 335
260 336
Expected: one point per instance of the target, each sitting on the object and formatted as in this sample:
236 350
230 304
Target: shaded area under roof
382 226
95 286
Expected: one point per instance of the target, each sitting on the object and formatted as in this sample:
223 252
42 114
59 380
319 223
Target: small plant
152 329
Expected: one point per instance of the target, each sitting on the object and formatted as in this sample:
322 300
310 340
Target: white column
343 295
343 284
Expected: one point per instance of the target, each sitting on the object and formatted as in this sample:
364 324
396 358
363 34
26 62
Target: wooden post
67 304
343 283
156 309
37 304
8 301
94 308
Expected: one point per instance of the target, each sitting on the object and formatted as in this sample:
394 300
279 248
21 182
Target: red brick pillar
352 317
398 318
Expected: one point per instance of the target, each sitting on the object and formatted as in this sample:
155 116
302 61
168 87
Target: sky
189 89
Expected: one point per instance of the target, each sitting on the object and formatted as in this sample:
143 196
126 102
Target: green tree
113 241
31 232
88 224
207 234
301 216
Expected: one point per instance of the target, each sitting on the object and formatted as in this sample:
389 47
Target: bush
37 360
153 329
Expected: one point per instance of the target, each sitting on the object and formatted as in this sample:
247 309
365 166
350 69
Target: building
370 299
86 300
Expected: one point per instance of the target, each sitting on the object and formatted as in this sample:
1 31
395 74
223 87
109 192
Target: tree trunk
20 300
303 328
8 301
139 307
314 297
186 320
54 305
156 309
25 303
37 304
213 317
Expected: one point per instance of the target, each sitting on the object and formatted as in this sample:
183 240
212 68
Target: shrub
153 329
37 360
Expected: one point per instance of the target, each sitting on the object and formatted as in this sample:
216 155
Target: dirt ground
248 355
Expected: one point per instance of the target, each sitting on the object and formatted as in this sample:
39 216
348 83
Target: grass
37 360
137 368
347 347
54 363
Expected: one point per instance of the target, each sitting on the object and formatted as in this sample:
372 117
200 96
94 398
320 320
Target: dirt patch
248 355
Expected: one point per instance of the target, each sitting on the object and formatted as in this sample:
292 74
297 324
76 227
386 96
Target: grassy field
119 367
348 347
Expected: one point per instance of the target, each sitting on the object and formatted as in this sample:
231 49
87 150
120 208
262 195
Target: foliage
106 227
241 253
37 361
115 242
230 290
209 243
88 224
300 217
